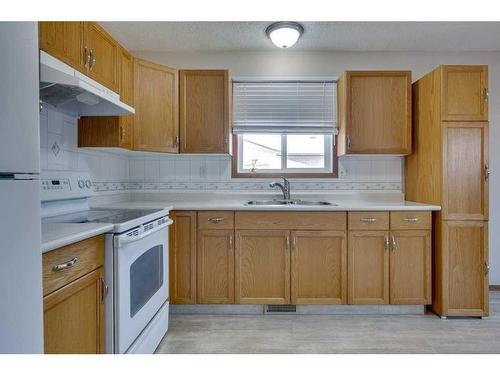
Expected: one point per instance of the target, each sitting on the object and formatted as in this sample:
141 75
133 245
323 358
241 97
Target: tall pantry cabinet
449 167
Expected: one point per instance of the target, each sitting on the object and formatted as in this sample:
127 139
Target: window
284 128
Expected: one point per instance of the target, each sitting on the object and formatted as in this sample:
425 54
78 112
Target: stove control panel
59 185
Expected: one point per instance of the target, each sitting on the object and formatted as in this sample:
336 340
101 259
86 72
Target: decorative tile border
246 186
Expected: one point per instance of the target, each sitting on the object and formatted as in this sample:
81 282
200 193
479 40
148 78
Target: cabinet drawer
215 220
411 220
291 220
74 261
368 220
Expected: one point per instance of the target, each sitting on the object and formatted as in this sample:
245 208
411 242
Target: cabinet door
368 267
465 170
204 111
410 267
466 243
64 41
319 268
182 259
464 93
378 112
126 77
104 54
156 103
262 267
215 266
74 317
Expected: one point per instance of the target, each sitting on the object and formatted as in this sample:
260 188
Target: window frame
301 173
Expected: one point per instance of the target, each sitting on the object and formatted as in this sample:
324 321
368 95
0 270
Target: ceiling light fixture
284 34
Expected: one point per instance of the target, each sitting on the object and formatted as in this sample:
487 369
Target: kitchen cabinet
64 41
410 267
182 257
102 53
74 317
204 111
449 167
374 112
368 267
318 267
111 131
262 267
465 259
464 94
389 258
73 303
156 101
465 170
215 266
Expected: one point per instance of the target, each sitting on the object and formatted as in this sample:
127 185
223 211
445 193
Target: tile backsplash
139 171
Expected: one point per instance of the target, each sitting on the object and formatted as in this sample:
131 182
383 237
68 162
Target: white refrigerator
21 314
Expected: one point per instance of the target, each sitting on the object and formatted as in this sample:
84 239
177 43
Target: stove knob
81 184
88 184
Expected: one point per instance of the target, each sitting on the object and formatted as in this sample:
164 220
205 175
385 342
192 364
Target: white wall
289 63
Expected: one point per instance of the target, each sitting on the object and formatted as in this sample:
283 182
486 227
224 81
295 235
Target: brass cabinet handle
87 58
105 289
412 219
62 266
231 242
386 243
393 244
215 220
368 219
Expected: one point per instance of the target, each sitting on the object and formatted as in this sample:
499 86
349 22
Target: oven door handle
124 239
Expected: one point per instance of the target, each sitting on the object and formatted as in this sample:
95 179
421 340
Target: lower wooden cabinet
368 267
74 316
182 258
319 267
410 268
262 267
215 266
462 287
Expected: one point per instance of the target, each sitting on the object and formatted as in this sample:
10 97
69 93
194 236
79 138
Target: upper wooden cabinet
64 40
204 111
102 53
156 97
319 267
126 81
182 257
374 112
464 93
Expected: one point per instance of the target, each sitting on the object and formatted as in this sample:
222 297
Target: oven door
141 279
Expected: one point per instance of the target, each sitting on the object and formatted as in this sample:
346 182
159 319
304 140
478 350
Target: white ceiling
318 36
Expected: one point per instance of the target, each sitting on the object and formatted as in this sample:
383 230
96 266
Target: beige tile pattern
333 333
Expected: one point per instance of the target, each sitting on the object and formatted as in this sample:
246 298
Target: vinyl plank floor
333 333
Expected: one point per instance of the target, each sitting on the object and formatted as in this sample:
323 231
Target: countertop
231 204
55 235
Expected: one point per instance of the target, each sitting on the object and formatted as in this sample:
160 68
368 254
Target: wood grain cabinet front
182 257
374 112
204 111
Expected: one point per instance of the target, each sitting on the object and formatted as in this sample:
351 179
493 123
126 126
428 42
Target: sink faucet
285 188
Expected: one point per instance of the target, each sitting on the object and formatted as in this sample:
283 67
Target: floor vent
280 309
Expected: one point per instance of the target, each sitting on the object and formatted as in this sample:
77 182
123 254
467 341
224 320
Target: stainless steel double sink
291 202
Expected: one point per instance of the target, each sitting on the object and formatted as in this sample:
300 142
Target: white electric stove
136 260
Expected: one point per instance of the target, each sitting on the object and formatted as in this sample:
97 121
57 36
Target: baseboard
300 309
495 288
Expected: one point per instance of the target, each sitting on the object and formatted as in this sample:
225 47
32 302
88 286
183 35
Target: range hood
67 89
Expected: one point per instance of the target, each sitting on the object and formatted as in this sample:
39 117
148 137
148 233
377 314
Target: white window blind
285 107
